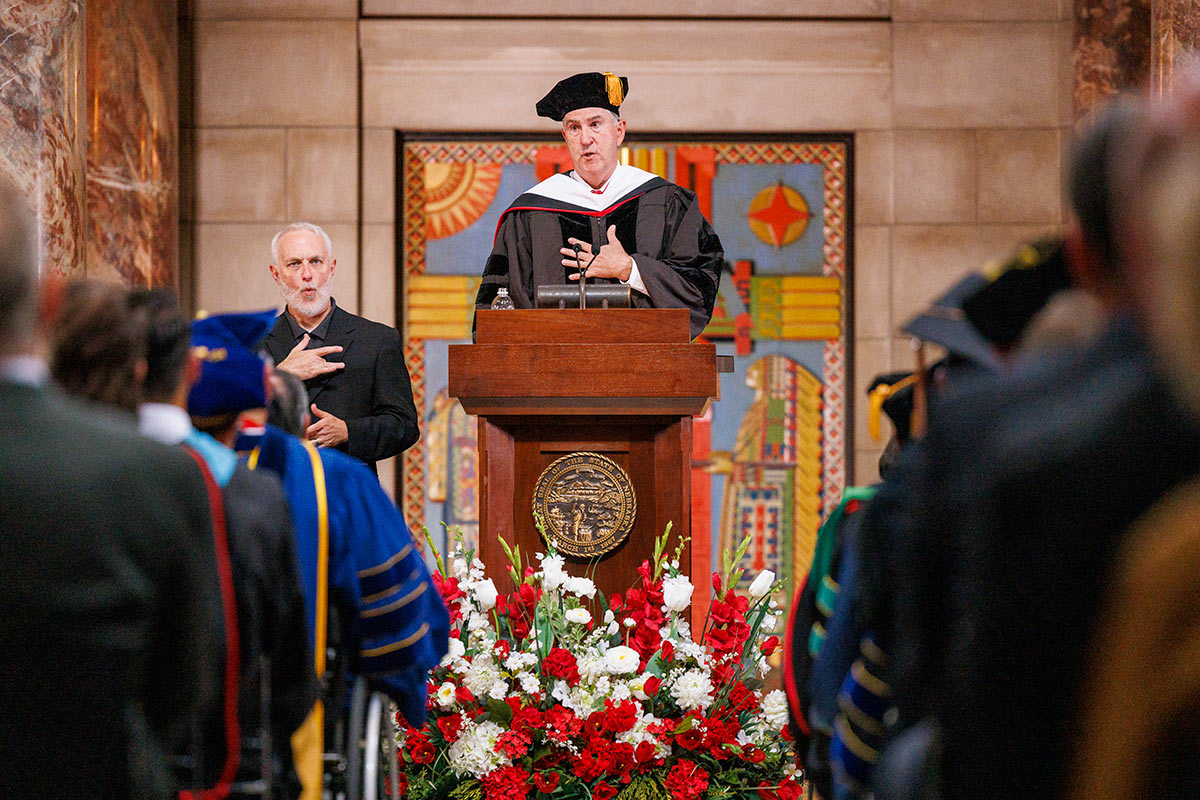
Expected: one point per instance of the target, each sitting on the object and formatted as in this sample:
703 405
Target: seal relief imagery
587 503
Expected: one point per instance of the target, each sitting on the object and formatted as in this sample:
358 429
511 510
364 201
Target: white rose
677 592
762 583
445 695
580 587
485 593
622 660
579 615
552 572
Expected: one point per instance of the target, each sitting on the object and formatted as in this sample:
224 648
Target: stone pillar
1112 50
1175 31
41 122
133 142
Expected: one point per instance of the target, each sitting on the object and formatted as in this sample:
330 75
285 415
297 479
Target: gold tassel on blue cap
612 83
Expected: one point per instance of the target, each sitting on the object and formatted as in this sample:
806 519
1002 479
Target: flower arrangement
556 690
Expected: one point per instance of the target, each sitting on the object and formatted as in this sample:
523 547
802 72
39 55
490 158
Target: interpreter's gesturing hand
305 364
328 430
612 262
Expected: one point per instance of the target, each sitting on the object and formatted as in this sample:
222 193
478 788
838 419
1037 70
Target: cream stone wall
959 110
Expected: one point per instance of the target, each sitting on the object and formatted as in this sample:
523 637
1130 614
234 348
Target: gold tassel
875 402
613 84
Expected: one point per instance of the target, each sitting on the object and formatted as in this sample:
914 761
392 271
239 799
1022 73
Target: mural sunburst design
456 195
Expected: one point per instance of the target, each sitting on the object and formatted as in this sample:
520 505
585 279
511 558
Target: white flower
460 568
529 683
517 661
613 628
579 615
580 587
693 689
762 583
552 572
677 592
638 687
561 692
775 709
622 660
619 692
498 689
475 753
445 695
481 675
454 651
476 622
485 592
609 616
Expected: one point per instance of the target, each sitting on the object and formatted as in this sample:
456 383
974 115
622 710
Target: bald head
18 271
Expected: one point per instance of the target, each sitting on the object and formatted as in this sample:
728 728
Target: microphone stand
583 268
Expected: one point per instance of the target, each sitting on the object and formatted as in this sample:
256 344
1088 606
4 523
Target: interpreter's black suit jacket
372 393
109 604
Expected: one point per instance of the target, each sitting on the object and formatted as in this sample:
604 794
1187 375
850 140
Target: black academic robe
677 252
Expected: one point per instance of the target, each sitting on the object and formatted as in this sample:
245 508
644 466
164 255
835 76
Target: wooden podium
547 383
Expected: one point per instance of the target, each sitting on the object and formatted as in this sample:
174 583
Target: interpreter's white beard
308 308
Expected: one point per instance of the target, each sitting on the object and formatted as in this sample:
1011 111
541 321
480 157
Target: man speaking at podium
645 232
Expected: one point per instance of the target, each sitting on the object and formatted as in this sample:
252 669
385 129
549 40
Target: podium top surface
593 325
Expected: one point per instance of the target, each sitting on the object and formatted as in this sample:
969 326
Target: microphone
599 234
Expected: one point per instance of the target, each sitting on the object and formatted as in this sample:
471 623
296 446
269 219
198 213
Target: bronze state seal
587 504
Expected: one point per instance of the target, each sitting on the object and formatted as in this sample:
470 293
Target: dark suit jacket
372 393
109 605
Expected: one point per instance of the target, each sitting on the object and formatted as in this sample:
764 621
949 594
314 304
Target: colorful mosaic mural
769 459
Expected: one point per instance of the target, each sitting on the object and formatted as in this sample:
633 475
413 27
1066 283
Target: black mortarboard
945 324
585 90
893 394
1021 287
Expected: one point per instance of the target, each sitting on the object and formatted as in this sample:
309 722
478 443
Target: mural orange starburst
778 215
456 195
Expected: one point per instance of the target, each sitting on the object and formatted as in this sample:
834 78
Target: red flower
546 782
513 744
450 727
741 698
753 754
716 584
766 791
690 739
561 724
588 766
769 646
652 684
790 789
401 784
502 648
559 663
506 783
668 651
419 748
604 792
644 752
463 695
686 781
620 717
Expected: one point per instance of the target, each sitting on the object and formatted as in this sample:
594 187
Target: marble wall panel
872 281
1112 49
322 174
379 175
1019 175
824 9
928 259
240 174
1002 74
133 142
1174 35
42 134
267 73
934 175
431 75
874 159
979 10
379 273
275 9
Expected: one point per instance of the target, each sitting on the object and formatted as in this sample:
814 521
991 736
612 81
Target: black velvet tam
585 90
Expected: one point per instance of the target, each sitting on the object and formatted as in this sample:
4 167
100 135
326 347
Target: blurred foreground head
98 345
1164 228
18 272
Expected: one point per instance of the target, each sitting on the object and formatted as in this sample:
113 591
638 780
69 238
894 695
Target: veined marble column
1112 50
133 142
41 121
1175 32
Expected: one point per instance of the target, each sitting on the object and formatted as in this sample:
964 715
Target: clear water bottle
502 299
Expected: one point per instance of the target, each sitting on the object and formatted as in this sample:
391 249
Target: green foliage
643 787
467 790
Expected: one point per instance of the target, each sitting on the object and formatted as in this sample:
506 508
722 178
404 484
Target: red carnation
546 782
620 717
559 663
506 783
603 791
686 781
